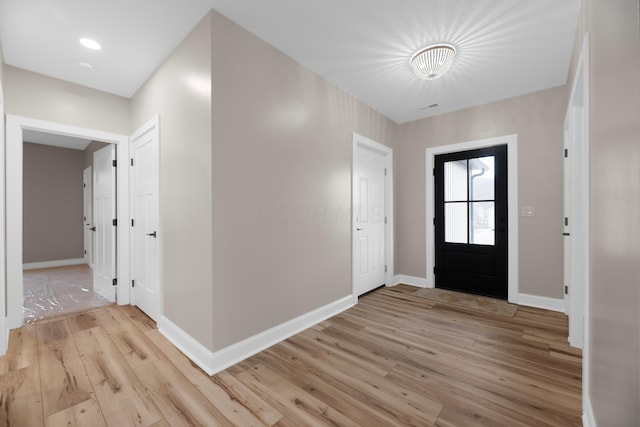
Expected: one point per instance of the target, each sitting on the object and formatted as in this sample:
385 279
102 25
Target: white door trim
512 204
87 203
579 104
4 337
153 125
362 141
13 169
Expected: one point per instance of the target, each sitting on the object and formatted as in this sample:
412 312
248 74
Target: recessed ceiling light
85 64
90 44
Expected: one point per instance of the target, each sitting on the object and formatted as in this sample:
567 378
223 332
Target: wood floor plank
141 320
359 407
178 400
130 341
82 321
21 397
236 402
66 382
122 397
87 413
300 406
408 407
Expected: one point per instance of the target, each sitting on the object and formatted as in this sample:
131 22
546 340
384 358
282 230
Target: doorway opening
510 141
471 221
16 126
57 222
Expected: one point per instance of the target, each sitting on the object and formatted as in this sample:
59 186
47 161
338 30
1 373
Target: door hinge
133 283
566 290
114 282
566 152
132 222
114 222
85 251
566 221
84 185
131 161
385 171
114 163
385 219
434 171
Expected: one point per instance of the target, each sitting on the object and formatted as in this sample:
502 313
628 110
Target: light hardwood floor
393 360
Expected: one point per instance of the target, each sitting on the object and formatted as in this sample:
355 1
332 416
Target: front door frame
512 204
13 169
364 142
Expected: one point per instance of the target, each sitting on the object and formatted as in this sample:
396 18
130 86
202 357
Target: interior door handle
93 228
152 234
359 229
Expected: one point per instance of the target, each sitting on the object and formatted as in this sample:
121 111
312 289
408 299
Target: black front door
471 221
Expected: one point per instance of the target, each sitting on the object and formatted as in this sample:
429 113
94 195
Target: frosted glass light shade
432 62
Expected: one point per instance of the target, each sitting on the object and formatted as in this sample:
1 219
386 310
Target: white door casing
576 203
512 204
372 216
4 337
104 213
145 226
12 167
87 214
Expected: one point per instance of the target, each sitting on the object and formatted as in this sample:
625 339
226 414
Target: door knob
359 229
93 228
152 234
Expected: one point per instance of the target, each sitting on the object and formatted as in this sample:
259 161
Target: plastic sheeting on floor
55 291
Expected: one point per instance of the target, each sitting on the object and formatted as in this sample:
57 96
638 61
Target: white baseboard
588 419
553 304
52 264
213 362
195 351
410 280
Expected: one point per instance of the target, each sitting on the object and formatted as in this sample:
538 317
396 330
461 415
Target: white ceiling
505 47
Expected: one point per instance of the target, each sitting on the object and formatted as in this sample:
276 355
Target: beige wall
40 97
52 203
179 91
537 120
282 149
614 365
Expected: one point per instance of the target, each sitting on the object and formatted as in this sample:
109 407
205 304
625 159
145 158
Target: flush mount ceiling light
90 44
433 61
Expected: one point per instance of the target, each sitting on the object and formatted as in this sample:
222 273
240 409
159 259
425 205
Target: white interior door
87 214
369 222
575 243
104 214
145 215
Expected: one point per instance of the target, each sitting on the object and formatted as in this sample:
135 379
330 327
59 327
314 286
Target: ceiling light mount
433 61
